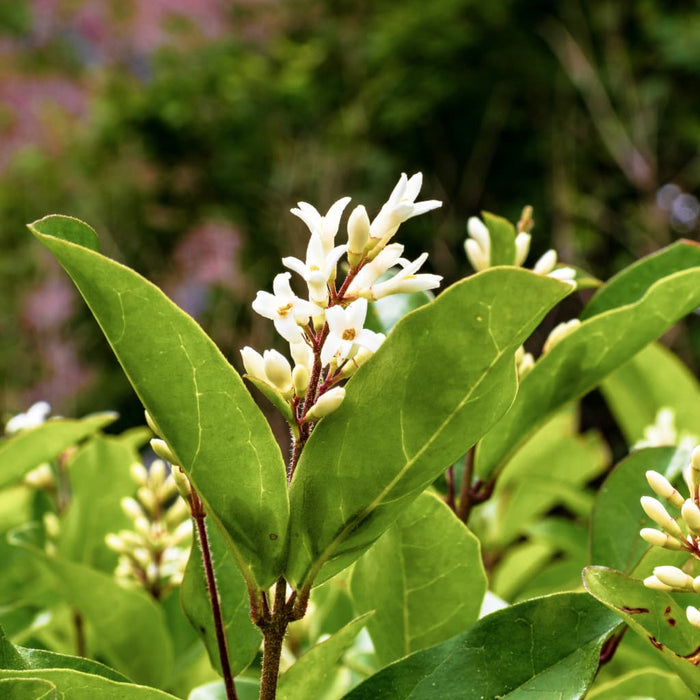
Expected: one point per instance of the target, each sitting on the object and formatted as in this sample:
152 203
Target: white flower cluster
153 554
478 249
35 415
325 331
672 535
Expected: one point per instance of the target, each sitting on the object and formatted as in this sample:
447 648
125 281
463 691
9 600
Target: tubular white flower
659 539
34 416
404 281
400 207
345 331
358 234
674 577
546 263
478 245
558 334
326 227
318 270
655 584
522 247
476 256
564 274
372 271
693 615
278 371
253 363
662 487
326 403
302 355
660 516
285 309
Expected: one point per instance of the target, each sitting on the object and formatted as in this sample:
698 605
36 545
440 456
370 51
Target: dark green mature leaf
582 359
99 479
197 399
444 375
242 635
502 234
630 284
643 683
26 689
22 451
654 615
313 670
543 648
423 577
618 516
653 379
84 686
129 626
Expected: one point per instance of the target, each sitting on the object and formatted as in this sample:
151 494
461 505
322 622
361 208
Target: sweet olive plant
426 534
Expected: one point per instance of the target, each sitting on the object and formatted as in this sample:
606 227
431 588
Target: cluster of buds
478 249
34 416
325 331
674 535
153 554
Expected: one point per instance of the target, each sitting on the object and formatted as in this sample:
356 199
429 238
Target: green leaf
313 670
27 689
617 514
423 577
129 626
502 234
643 683
582 359
23 451
444 375
198 400
543 648
242 636
654 615
653 379
94 510
246 689
83 686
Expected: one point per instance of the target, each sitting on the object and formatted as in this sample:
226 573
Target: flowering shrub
426 535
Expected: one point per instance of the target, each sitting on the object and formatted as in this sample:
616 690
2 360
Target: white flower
662 432
325 227
285 309
405 281
319 268
326 403
400 207
345 331
35 415
478 245
302 355
522 247
358 234
278 370
545 266
372 271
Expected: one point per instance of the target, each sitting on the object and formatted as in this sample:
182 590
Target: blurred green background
184 132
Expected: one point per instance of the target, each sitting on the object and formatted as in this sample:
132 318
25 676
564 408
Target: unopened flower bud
696 584
253 363
41 478
654 583
326 403
182 482
131 508
117 544
278 371
693 615
522 247
477 257
559 333
659 539
674 577
177 512
157 473
692 473
182 533
148 499
141 557
300 379
142 526
546 263
152 424
162 449
52 525
139 474
662 487
660 516
358 235
691 514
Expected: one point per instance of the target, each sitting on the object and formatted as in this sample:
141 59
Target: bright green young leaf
542 648
654 615
643 683
99 479
582 359
618 516
444 375
195 396
630 284
22 451
315 668
423 578
502 234
75 685
243 637
653 379
129 626
27 689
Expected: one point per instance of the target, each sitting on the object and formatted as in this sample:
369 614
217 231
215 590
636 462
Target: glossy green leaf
129 626
502 235
643 683
654 615
314 669
653 379
99 479
631 283
423 578
27 689
197 399
242 636
22 451
83 686
543 648
617 515
444 375
582 359
246 689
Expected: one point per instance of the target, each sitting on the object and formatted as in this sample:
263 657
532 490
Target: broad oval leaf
582 359
543 648
22 451
197 399
643 683
442 378
424 579
27 689
654 615
502 234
